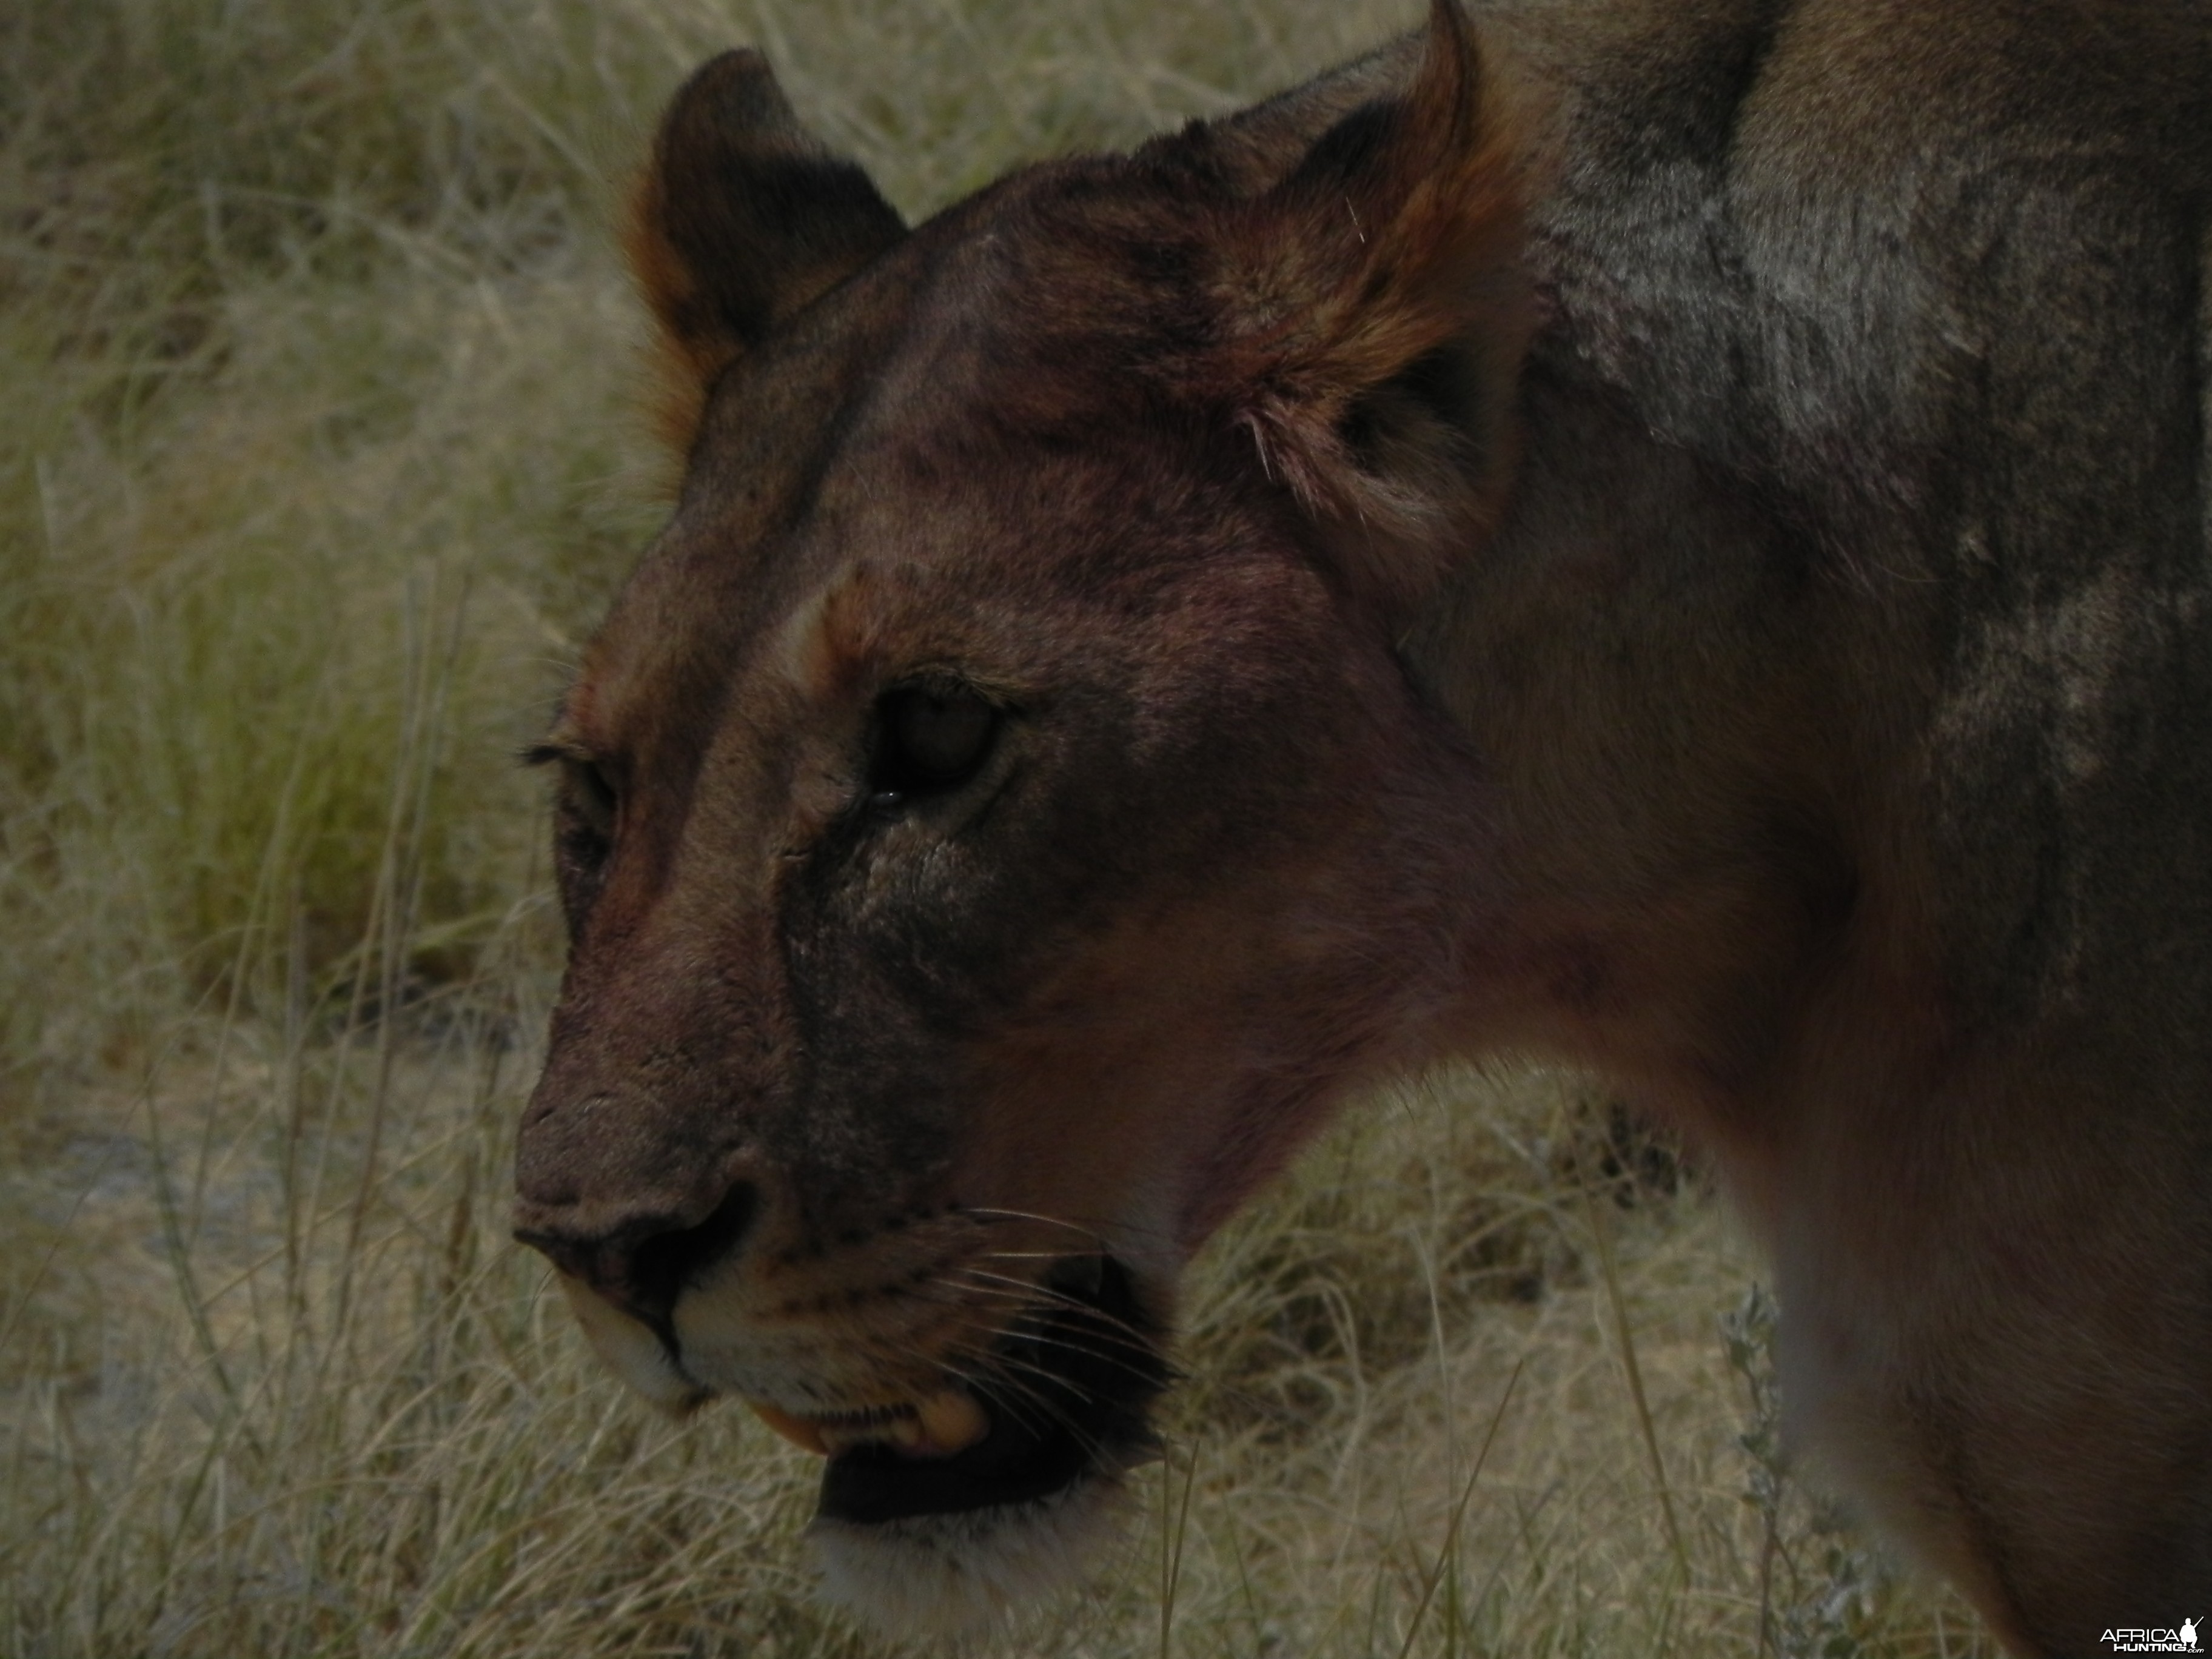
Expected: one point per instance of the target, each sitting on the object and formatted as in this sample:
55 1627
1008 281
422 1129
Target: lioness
1671 537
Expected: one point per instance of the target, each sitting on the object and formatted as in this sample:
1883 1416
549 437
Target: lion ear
743 217
1376 314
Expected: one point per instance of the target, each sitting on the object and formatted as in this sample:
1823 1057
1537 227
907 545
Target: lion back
1932 281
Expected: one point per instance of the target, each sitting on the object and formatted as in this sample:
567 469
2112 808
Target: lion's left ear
743 218
1376 314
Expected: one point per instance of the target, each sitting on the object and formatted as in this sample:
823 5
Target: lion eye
929 739
593 797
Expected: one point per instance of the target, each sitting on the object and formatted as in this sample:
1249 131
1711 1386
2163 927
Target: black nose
644 1263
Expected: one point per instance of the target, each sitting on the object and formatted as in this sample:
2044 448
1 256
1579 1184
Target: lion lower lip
799 1431
945 1425
1069 1397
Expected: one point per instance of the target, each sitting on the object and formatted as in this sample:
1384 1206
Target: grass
319 450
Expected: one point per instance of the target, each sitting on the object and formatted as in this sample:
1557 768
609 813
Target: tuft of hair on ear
1373 310
743 217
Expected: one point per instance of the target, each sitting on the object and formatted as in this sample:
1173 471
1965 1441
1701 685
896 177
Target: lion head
994 822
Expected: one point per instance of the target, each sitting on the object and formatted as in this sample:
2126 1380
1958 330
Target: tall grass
319 453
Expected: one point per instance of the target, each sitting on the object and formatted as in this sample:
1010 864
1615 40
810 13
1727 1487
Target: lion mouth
1067 1394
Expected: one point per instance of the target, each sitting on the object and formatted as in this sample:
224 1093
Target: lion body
1707 579
1881 457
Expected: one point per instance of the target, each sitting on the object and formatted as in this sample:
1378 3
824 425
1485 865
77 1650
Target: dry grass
317 452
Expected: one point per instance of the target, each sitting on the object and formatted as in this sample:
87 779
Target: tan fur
682 369
1667 538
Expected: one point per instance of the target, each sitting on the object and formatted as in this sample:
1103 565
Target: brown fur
1675 542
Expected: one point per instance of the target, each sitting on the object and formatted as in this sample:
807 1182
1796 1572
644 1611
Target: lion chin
943 1514
960 1573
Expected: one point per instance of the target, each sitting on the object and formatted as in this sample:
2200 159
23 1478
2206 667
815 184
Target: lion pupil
935 739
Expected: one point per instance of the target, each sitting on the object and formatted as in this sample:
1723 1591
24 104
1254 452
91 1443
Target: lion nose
643 1263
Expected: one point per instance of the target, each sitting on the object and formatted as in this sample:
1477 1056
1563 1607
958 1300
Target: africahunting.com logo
2125 1640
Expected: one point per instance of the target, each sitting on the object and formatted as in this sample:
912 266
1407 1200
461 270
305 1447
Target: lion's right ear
1371 310
743 218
